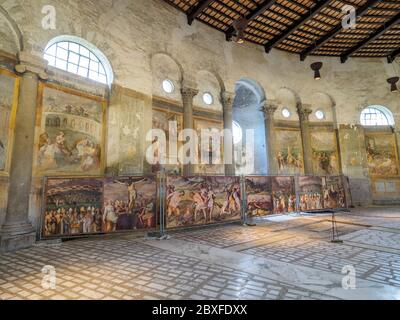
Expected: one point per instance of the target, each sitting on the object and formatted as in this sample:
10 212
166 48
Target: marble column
17 232
337 136
188 94
227 99
269 110
304 116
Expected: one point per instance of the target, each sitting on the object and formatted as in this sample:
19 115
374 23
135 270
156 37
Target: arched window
377 116
78 56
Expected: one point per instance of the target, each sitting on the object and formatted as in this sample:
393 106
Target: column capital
189 92
227 99
304 112
32 64
269 108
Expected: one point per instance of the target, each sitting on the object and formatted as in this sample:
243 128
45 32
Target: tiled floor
225 262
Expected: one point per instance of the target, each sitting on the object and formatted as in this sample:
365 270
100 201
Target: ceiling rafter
359 12
197 10
380 31
303 19
252 15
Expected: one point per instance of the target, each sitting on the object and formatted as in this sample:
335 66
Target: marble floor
279 258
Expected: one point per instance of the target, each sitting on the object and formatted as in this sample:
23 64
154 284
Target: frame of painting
9 130
391 139
284 153
325 162
107 211
179 117
94 155
209 169
259 196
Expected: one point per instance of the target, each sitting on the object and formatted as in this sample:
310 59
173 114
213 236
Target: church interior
200 150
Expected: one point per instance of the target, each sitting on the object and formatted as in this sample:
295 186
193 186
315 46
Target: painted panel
311 193
325 152
334 193
259 196
382 157
71 133
8 103
161 120
202 200
289 152
284 195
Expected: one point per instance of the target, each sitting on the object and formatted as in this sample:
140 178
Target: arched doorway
247 114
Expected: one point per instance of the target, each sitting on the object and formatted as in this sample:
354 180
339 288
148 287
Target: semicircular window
76 58
376 116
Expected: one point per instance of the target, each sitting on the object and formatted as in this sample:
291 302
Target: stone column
17 232
188 94
227 99
304 116
337 136
269 110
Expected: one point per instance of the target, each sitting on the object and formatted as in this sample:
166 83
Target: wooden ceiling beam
391 57
252 15
320 42
304 18
197 10
380 31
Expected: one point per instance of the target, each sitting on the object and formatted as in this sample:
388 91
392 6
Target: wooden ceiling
306 27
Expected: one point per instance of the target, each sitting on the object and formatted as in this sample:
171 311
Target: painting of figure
73 207
311 193
382 155
207 154
162 121
129 204
284 195
259 196
325 152
334 193
71 135
202 200
8 93
289 152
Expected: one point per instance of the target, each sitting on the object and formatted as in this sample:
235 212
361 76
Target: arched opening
247 115
80 57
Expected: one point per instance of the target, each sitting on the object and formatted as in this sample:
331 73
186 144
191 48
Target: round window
208 99
168 86
320 115
286 113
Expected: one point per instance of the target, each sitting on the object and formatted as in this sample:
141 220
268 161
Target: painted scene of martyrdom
284 195
290 152
259 196
325 154
71 134
334 193
7 98
129 204
161 121
381 155
202 200
311 193
73 207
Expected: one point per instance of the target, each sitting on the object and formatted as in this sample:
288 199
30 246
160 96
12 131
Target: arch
13 26
209 82
324 102
254 87
92 48
165 67
377 115
289 99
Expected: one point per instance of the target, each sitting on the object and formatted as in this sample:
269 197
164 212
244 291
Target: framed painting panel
289 150
192 201
9 87
284 195
70 133
72 207
382 156
130 203
334 193
325 152
311 193
259 196
161 120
